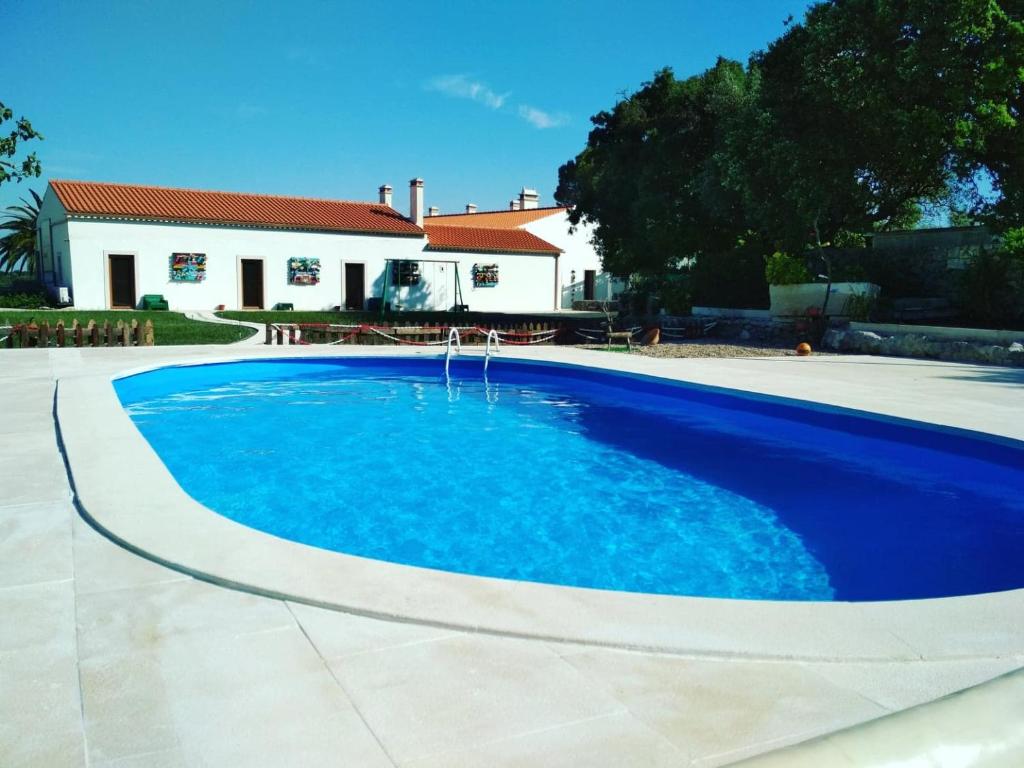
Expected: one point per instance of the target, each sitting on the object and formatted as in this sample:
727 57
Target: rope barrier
534 341
584 333
406 341
295 330
294 334
343 339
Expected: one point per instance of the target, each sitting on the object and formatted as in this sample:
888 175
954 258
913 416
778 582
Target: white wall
578 256
152 245
526 282
54 250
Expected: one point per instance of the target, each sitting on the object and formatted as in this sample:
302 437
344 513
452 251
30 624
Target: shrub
734 280
675 295
31 300
861 307
784 269
649 294
992 286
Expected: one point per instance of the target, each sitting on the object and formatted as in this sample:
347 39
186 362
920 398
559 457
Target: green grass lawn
425 318
169 328
270 316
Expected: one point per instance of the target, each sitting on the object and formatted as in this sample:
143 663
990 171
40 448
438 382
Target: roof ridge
499 210
487 239
122 185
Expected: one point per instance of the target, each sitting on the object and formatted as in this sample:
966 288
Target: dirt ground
707 348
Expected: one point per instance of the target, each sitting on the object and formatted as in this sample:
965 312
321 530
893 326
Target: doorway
122 281
589 281
355 286
252 283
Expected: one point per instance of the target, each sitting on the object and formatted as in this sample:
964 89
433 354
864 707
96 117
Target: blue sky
332 99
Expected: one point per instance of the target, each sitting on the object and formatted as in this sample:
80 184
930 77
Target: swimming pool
573 476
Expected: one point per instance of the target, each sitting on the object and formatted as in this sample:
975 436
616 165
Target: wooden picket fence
392 334
92 334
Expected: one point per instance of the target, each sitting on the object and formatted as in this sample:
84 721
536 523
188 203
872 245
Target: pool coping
148 513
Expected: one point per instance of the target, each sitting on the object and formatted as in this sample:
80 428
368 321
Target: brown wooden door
122 281
589 280
252 283
355 286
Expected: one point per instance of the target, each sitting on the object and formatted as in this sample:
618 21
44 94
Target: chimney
433 210
470 207
513 205
528 199
416 201
385 194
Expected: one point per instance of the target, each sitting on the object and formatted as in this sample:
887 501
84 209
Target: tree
647 177
871 108
18 245
21 132
849 123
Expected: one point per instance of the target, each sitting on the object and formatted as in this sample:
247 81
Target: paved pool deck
110 659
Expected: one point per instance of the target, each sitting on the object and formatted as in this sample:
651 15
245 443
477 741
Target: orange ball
803 349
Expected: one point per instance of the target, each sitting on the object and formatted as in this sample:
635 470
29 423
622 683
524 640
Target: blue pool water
587 478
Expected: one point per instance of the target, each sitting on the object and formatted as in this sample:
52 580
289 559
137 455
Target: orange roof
132 201
495 219
485 239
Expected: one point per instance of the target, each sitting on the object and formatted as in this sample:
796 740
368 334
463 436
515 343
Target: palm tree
18 245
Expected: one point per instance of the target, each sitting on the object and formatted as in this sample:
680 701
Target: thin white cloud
462 87
538 118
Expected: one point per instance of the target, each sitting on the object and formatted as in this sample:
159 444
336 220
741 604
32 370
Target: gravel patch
708 348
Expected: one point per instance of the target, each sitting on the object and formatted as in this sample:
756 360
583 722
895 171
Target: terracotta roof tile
134 201
495 219
485 239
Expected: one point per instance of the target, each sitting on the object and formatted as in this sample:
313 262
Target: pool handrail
491 334
453 334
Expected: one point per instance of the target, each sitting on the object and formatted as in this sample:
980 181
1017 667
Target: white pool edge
125 491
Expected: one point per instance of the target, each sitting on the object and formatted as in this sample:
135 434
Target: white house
579 267
107 245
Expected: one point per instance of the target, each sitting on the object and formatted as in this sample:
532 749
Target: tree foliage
10 137
850 122
18 238
648 177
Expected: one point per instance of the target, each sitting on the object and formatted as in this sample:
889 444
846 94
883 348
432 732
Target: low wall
756 314
754 325
963 347
950 333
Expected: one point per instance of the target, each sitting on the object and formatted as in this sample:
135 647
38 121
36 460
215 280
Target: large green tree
648 177
871 108
12 169
849 122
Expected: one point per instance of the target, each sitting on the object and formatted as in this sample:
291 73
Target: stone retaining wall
961 350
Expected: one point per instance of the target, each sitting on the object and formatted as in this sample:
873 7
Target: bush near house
169 328
27 300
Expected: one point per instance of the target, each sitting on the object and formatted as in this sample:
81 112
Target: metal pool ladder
453 334
491 334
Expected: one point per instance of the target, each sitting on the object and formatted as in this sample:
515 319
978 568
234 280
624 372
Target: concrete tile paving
112 661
